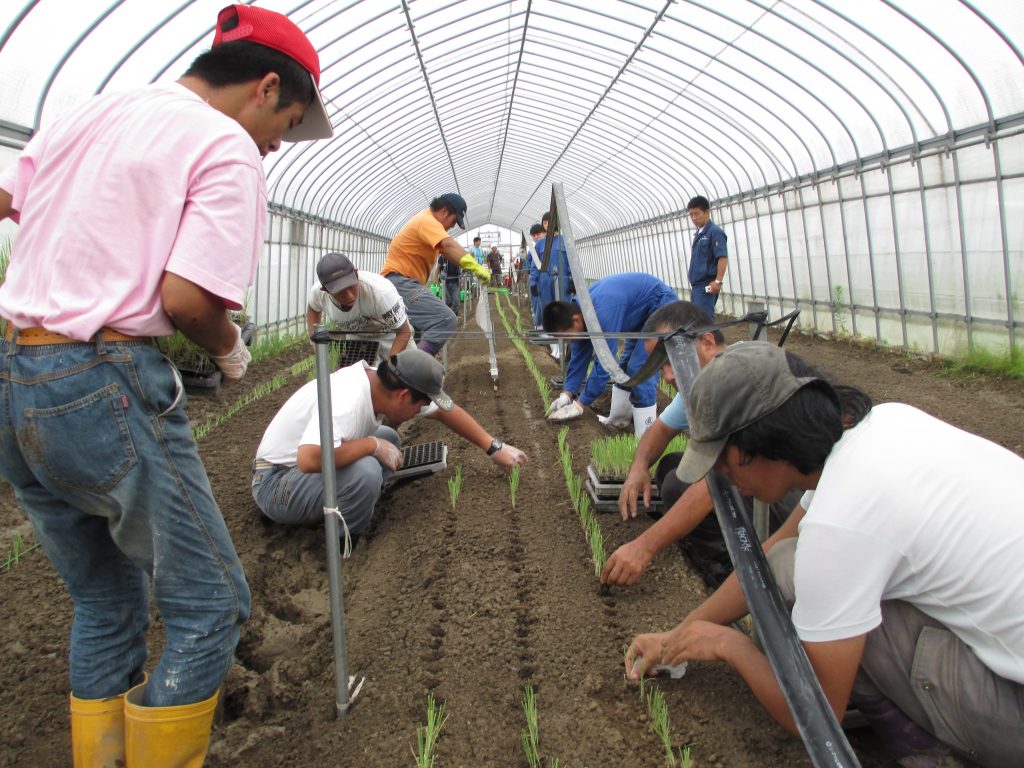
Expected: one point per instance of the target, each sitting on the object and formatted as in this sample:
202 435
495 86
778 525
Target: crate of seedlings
610 459
198 373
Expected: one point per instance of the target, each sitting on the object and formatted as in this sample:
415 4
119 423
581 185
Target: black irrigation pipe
822 735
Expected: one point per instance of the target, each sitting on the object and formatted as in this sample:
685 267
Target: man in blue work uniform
709 256
558 263
533 274
622 304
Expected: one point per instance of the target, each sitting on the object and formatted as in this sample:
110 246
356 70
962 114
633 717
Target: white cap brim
315 122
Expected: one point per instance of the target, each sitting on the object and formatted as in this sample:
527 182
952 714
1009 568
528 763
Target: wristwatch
717 282
496 445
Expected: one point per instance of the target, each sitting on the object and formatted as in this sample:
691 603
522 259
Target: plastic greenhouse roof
635 106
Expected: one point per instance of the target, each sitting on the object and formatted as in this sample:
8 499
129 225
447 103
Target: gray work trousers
287 495
934 677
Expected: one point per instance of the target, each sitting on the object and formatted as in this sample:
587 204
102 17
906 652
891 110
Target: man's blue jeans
96 443
451 295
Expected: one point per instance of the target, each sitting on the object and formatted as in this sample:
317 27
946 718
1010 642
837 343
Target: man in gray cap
902 561
411 259
363 303
286 480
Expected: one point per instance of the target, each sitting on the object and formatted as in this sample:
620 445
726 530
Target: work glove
567 412
615 422
469 264
234 364
388 454
559 402
621 412
508 456
535 290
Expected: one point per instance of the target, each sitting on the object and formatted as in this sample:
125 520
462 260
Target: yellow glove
469 264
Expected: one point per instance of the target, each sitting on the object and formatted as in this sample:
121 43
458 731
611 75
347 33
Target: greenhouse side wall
924 252
287 269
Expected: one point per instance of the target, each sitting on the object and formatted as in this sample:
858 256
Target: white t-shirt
911 508
298 421
378 306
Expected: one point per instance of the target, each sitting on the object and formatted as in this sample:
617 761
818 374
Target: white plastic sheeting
864 158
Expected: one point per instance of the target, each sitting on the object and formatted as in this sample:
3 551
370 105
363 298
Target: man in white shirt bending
363 303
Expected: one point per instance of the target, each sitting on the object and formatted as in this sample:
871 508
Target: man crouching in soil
902 562
286 481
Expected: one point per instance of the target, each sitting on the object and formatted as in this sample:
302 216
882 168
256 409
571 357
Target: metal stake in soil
342 682
483 320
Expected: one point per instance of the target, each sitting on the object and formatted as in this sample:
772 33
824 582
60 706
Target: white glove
610 422
567 412
388 454
560 402
234 364
508 456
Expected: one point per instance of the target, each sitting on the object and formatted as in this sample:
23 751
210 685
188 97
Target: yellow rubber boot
97 732
166 737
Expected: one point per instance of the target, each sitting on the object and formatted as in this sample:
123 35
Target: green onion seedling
427 735
14 553
529 735
597 552
455 485
513 483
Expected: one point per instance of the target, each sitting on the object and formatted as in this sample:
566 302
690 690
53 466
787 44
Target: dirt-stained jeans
96 443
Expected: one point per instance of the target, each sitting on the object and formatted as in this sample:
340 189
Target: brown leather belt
37 337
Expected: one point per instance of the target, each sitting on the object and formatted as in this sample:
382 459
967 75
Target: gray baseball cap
420 371
336 272
738 387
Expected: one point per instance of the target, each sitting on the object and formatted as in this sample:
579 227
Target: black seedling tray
605 493
351 351
421 459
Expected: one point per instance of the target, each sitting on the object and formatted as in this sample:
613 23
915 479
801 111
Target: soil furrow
467 604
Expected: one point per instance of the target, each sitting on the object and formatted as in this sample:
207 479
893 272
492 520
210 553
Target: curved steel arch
623 54
651 124
959 59
636 48
856 65
896 52
141 42
795 108
41 102
785 76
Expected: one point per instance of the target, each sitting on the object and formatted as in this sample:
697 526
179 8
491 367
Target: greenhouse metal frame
865 159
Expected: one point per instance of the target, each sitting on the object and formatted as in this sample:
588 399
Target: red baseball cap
274 30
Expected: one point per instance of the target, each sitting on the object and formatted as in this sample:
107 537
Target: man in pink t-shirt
141 213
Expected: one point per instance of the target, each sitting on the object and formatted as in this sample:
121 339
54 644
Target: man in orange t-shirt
411 258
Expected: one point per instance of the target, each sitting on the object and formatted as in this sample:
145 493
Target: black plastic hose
822 735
